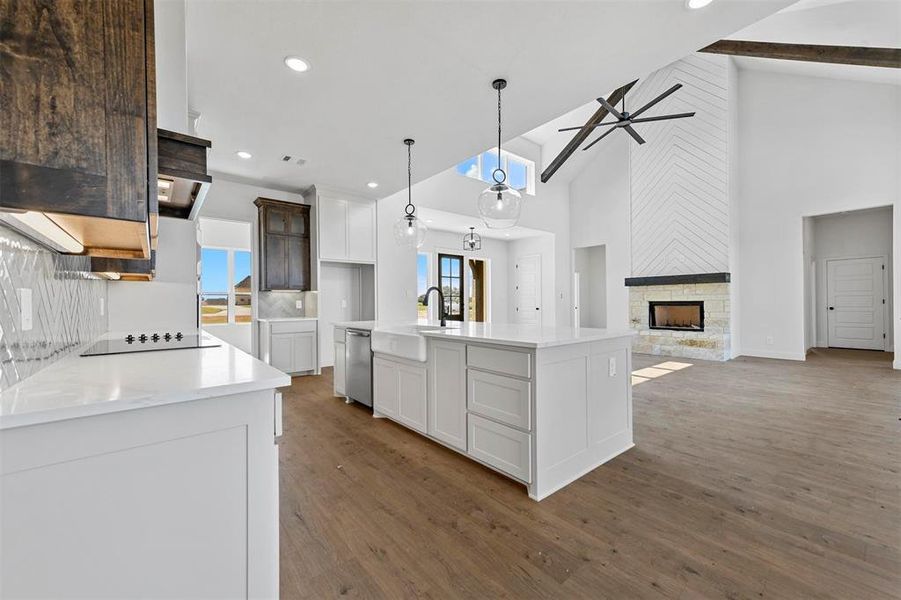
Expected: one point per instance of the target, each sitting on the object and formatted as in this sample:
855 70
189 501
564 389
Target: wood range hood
183 180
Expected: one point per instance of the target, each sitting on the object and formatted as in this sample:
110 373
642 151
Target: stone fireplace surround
711 344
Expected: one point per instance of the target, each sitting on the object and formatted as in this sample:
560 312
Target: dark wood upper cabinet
284 245
78 119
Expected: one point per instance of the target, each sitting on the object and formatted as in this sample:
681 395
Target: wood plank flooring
750 479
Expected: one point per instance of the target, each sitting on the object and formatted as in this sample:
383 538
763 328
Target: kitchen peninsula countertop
81 386
527 336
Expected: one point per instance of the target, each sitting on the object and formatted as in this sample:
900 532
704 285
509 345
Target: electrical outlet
298 304
102 307
24 296
769 340
611 366
343 303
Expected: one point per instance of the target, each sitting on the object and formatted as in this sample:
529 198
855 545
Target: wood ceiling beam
839 55
584 132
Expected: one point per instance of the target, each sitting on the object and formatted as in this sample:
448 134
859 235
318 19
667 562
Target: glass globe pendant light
409 230
500 205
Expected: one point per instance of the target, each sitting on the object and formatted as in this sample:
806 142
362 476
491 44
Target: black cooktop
152 342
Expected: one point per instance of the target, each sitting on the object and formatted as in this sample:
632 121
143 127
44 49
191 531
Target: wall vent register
682 315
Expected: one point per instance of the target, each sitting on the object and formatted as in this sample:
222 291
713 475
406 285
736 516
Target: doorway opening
848 280
477 284
590 286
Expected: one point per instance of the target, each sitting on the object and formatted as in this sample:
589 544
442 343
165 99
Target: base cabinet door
304 351
282 351
339 371
384 387
412 393
447 393
504 448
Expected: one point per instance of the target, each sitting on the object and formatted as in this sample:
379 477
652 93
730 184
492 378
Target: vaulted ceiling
383 71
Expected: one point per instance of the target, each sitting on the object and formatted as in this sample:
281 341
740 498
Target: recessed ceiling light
506 235
295 63
243 154
372 185
696 4
428 220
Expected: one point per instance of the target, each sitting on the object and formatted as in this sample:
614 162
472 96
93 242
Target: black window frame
451 278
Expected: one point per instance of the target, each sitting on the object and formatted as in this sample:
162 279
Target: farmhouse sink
403 341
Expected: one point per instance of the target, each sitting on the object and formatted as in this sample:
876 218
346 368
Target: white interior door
855 294
528 290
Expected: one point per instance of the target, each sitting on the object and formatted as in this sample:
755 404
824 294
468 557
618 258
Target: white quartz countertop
281 319
527 336
81 386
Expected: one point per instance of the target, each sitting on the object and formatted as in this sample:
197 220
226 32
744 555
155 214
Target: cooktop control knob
178 335
168 336
129 338
155 337
142 338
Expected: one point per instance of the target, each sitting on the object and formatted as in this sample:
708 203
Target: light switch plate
298 304
102 307
611 366
343 303
24 296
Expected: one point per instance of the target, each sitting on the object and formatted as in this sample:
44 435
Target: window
422 284
520 171
225 286
450 280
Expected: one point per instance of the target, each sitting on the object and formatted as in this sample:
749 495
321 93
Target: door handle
831 308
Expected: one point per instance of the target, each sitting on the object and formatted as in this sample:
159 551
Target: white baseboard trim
773 354
896 364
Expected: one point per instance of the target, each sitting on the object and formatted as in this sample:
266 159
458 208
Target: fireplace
676 315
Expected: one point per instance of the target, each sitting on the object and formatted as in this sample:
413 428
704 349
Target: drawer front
501 398
504 448
508 362
292 326
340 335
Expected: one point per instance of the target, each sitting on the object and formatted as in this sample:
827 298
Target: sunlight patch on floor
652 372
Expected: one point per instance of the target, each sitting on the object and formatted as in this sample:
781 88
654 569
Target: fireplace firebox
677 315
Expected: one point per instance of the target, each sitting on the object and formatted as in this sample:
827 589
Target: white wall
169 302
799 158
547 210
495 252
855 234
171 66
591 265
600 215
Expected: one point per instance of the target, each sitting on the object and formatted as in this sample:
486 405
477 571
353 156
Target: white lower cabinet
290 346
339 371
504 448
447 393
400 390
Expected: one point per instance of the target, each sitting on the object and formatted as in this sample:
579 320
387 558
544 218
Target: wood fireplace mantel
677 279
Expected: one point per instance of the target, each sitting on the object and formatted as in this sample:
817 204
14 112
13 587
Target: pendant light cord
409 182
499 128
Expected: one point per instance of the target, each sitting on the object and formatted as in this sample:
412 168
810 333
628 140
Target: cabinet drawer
292 326
504 448
501 398
509 362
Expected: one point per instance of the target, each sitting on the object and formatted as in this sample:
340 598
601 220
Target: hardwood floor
750 479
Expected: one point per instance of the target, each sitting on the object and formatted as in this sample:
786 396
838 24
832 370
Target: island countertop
80 386
527 336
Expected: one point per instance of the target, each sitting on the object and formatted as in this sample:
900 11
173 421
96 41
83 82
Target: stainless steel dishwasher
359 366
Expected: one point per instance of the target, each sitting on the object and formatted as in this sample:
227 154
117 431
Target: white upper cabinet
346 229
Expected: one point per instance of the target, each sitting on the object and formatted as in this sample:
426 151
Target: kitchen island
150 474
543 406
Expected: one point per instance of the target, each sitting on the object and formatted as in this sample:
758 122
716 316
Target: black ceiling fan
625 119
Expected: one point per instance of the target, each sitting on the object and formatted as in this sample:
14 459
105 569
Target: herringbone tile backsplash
65 306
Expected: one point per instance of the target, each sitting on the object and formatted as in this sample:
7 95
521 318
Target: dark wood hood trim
677 279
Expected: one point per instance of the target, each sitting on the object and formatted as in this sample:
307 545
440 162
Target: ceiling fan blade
634 134
616 114
581 126
656 100
663 117
606 133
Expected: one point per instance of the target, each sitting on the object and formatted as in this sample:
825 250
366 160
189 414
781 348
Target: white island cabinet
151 475
543 406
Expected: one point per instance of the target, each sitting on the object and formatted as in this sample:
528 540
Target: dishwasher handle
358 332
